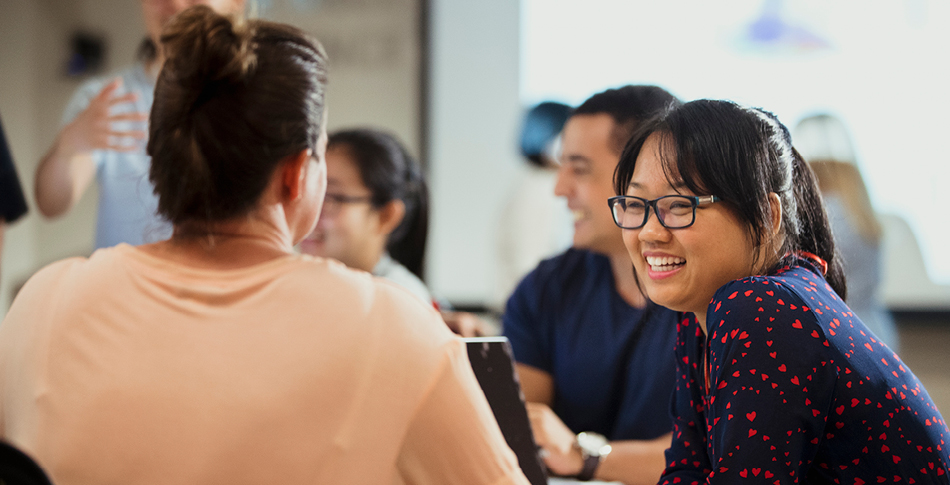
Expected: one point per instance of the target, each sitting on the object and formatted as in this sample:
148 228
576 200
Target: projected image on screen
877 66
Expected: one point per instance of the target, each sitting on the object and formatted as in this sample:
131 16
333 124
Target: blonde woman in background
824 142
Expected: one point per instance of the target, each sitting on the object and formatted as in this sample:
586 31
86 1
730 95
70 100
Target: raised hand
67 169
93 128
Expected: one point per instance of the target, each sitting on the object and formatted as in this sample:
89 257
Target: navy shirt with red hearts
797 390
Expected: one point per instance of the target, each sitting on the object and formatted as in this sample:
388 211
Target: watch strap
591 462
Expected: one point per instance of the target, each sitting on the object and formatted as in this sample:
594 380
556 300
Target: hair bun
204 49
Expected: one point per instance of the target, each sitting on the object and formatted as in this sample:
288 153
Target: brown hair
233 99
844 180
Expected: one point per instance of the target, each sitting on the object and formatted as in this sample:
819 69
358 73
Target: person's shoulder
761 305
391 270
368 300
326 276
52 281
570 264
552 275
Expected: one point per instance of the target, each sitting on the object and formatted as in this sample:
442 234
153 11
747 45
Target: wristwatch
594 448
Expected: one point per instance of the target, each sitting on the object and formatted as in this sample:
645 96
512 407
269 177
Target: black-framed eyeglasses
673 211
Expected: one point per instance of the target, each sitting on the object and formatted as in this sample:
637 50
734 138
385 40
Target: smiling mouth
665 263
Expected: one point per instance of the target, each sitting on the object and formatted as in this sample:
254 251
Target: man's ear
294 174
391 215
775 207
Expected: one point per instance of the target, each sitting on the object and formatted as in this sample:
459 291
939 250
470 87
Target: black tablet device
493 364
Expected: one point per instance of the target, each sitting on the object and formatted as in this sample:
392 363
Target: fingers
136 116
462 323
467 324
120 141
121 99
123 148
108 89
108 97
131 135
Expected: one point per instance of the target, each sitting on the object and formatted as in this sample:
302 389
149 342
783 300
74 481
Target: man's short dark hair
628 106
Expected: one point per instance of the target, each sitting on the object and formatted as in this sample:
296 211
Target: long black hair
741 155
391 173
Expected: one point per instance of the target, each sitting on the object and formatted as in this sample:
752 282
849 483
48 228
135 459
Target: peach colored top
129 369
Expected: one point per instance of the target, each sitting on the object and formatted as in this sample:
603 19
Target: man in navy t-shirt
595 358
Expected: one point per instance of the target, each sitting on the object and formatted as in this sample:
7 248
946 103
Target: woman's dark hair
232 101
391 173
741 155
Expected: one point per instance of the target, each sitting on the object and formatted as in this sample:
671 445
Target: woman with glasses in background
376 212
219 356
376 215
778 381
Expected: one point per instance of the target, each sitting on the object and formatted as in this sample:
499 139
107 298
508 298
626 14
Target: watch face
591 443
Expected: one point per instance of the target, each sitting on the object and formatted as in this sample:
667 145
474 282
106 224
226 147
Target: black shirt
12 202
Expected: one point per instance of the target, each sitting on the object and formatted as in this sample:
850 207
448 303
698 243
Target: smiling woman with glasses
777 380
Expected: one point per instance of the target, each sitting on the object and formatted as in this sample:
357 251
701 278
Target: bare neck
701 319
241 242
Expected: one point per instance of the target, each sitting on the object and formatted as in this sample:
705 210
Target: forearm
634 462
536 384
61 178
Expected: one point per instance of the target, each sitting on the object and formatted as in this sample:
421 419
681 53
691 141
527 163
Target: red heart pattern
884 426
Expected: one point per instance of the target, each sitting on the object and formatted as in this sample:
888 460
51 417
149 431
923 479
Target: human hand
556 440
92 129
463 323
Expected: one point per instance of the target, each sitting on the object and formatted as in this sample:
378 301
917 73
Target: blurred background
453 78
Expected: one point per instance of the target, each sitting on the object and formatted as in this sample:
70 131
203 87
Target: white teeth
665 263
578 215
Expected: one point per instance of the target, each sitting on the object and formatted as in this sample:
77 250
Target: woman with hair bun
220 355
778 381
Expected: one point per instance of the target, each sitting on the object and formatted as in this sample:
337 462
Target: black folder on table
494 368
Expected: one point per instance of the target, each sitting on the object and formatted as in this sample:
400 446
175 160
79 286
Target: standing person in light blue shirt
103 134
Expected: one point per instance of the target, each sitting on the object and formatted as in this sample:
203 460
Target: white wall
374 60
33 42
474 120
17 47
374 79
